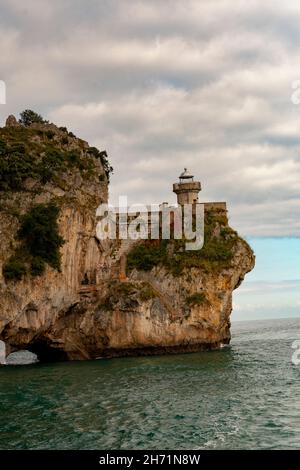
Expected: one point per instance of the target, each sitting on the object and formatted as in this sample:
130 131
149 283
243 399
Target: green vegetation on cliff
127 294
196 299
20 158
41 151
29 117
217 252
15 268
39 243
33 153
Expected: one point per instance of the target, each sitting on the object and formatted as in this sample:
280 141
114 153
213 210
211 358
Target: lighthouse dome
186 175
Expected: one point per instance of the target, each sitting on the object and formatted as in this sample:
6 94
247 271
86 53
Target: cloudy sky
163 84
272 289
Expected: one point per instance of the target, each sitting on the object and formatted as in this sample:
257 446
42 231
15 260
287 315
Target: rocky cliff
60 296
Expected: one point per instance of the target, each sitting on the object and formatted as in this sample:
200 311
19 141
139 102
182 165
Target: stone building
187 189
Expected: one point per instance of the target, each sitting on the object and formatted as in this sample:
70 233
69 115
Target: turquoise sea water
242 397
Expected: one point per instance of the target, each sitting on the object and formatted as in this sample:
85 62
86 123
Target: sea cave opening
47 352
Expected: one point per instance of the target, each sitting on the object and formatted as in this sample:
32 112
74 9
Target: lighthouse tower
187 189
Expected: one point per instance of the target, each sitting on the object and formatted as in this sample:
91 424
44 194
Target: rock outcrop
82 310
21 358
11 121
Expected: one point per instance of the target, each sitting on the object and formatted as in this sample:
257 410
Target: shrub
16 147
94 151
40 234
74 158
147 293
37 266
103 158
29 117
14 269
3 147
50 134
41 243
145 256
196 299
15 167
117 291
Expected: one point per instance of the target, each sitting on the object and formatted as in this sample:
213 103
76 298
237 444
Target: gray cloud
162 85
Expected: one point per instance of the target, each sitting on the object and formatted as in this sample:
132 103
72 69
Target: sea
245 396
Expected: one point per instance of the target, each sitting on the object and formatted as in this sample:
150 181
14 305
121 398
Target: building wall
219 206
187 198
187 193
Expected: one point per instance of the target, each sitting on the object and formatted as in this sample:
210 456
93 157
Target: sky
163 85
272 289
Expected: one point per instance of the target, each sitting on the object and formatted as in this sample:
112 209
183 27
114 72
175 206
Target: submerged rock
21 358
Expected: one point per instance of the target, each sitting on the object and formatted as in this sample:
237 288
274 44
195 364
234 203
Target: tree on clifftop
29 117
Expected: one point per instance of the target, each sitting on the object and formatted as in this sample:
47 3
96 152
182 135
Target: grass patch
216 253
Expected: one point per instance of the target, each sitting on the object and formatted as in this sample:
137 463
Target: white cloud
162 85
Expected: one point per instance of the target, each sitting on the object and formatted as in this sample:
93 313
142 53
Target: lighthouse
187 189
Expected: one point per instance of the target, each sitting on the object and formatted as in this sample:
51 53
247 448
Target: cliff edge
60 296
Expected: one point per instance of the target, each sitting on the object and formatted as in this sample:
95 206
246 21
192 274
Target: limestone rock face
29 306
84 311
120 320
